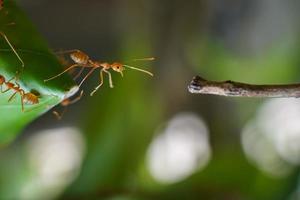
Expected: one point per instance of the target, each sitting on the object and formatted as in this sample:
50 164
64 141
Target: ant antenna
138 69
143 59
11 46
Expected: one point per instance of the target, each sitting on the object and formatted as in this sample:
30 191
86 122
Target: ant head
118 67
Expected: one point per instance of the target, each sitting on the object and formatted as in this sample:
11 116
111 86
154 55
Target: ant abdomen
79 57
30 98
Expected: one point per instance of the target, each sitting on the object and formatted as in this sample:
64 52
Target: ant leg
110 79
17 84
3 91
143 59
68 102
69 68
12 96
90 72
78 74
68 51
7 89
101 83
12 47
76 99
11 79
19 90
22 102
59 116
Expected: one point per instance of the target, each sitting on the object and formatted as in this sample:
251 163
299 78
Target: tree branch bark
236 89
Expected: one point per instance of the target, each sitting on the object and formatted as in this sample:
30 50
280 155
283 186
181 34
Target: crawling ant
65 103
81 59
27 98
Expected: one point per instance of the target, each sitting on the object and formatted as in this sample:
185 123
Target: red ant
81 59
65 103
28 98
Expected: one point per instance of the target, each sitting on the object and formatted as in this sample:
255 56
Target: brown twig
236 89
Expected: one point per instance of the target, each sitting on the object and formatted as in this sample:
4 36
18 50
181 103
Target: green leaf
40 64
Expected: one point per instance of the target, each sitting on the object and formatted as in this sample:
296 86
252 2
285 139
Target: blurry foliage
118 124
40 63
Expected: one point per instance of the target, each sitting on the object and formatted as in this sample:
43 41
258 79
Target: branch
230 88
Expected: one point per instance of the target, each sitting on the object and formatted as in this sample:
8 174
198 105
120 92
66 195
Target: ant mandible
81 59
28 98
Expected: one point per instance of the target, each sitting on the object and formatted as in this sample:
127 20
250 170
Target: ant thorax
104 65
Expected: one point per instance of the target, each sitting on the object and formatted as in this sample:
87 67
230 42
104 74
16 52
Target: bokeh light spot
55 158
272 138
180 149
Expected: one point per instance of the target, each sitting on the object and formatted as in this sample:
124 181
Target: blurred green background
148 138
